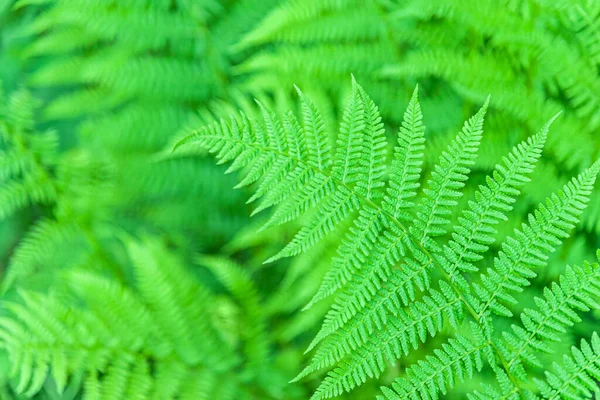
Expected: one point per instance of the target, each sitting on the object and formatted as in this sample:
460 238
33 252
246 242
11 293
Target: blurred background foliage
105 233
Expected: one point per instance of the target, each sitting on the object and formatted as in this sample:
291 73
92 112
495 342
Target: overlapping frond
389 244
457 360
391 254
26 164
39 250
379 306
364 352
578 290
530 246
577 377
137 342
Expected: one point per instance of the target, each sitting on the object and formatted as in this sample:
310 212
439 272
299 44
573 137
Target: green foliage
575 379
139 341
400 278
27 159
411 261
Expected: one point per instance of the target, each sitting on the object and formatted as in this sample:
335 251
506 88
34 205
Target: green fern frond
449 175
365 335
129 23
447 178
583 19
365 350
89 102
129 343
578 290
28 161
114 71
138 128
295 22
475 231
39 248
172 298
529 248
367 326
60 42
254 327
408 158
457 360
33 189
576 378
361 137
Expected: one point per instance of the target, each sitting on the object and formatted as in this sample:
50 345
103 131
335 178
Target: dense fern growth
139 341
398 279
392 253
135 75
534 57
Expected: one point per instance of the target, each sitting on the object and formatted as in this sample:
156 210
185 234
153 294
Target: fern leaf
240 285
475 231
406 167
314 131
361 137
353 253
38 249
15 195
170 297
577 377
578 289
126 344
391 243
529 247
447 179
350 142
402 185
458 358
385 261
370 349
292 22
13 162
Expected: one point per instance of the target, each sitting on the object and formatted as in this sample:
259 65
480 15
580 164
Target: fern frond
584 20
528 249
361 138
389 249
458 359
447 178
367 349
577 377
363 330
242 288
172 298
295 22
114 71
138 128
39 248
329 62
27 163
406 167
128 343
60 41
367 326
578 290
475 231
130 25
353 253
16 195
